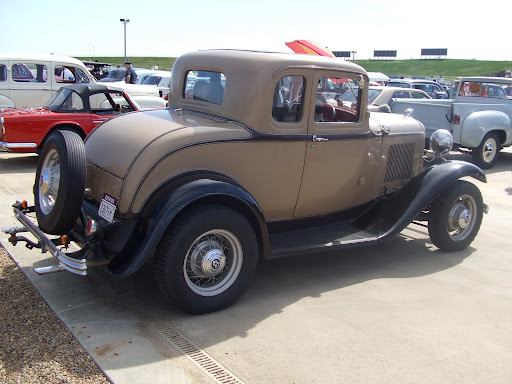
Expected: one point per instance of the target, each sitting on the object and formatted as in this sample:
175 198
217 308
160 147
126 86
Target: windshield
118 74
152 80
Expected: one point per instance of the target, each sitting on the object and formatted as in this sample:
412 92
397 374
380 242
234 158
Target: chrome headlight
441 142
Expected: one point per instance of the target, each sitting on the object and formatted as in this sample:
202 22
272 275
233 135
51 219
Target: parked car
115 75
479 116
256 166
380 98
77 108
118 75
31 80
161 80
433 88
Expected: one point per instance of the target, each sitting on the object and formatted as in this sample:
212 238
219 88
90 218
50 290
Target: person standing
131 76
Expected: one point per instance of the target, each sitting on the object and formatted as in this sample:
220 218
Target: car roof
41 57
84 90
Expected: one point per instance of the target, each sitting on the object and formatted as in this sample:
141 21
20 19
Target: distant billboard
341 53
384 54
434 51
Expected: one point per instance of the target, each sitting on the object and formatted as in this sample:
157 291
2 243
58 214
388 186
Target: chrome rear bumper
71 264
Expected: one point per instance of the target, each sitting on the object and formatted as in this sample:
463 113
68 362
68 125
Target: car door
342 154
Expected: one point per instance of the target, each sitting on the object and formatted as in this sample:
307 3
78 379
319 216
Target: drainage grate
200 358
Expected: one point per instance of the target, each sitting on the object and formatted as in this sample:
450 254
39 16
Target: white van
31 80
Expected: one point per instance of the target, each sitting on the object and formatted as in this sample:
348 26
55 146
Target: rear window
205 86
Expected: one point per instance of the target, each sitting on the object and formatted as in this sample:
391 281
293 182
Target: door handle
317 138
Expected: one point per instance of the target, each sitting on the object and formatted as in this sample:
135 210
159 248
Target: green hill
448 68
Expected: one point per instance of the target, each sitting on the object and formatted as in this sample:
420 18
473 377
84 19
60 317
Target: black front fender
392 215
175 202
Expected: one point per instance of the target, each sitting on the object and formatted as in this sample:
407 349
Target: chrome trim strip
77 266
6 145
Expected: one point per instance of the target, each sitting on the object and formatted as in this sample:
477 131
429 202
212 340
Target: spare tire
60 182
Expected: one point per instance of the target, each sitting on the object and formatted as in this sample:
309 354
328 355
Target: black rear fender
186 196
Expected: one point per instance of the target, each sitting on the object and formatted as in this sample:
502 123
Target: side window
3 72
337 100
100 103
401 95
81 77
29 73
72 103
69 75
417 95
205 86
288 99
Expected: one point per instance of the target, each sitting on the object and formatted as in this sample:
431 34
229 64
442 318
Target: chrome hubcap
49 181
462 217
489 150
208 259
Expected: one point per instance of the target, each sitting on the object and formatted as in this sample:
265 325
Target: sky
468 29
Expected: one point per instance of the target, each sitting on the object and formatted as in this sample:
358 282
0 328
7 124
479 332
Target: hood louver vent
400 159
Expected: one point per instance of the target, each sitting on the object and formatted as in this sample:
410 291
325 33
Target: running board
319 239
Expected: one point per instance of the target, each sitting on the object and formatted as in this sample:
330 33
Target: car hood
398 123
132 143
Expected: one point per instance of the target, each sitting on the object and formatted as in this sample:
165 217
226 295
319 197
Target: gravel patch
35 346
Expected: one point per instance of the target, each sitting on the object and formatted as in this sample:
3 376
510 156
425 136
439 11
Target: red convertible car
78 108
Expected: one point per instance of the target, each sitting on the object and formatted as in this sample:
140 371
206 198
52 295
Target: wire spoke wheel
455 216
206 259
60 182
213 262
462 217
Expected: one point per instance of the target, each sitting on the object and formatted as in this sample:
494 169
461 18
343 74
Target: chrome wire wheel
213 262
49 181
462 218
455 216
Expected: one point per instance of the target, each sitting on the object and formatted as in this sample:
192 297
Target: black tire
60 182
455 217
486 154
206 259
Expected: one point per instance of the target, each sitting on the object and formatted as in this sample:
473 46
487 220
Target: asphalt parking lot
402 312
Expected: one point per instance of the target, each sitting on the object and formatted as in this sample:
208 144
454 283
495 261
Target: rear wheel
486 154
206 259
455 217
60 182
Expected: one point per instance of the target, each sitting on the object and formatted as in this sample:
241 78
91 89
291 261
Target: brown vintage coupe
252 159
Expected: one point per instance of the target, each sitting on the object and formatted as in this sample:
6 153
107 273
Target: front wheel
455 217
486 154
206 259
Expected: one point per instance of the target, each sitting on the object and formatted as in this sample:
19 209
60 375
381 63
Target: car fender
6 102
194 192
391 215
477 124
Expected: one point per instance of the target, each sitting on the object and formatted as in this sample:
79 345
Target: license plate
107 209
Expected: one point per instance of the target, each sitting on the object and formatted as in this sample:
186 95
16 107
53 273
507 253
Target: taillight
91 227
456 119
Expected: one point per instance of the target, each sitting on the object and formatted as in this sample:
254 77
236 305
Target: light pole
124 21
353 55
